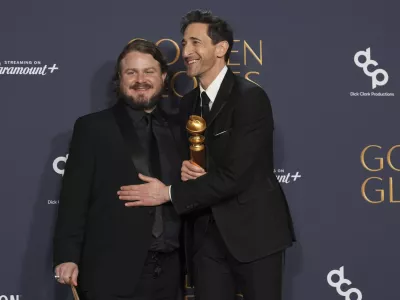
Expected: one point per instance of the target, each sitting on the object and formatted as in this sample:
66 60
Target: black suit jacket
240 187
94 229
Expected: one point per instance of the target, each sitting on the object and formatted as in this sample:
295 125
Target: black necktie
154 164
205 102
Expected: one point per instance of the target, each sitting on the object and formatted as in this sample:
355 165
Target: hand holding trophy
196 126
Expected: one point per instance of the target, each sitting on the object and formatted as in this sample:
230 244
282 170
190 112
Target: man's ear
222 48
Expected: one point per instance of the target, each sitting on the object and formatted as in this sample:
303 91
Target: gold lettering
177 52
380 159
233 51
381 191
173 79
389 158
135 40
391 191
248 74
258 58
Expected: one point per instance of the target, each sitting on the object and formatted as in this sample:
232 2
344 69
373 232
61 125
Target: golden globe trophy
196 126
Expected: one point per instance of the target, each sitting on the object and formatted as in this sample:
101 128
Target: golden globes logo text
384 168
242 55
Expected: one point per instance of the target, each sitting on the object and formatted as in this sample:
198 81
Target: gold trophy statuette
196 125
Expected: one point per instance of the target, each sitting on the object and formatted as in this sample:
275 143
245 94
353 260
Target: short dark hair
142 46
218 29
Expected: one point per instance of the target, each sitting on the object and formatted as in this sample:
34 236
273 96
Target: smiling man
109 251
237 211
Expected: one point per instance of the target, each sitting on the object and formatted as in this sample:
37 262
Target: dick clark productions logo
61 160
338 285
368 62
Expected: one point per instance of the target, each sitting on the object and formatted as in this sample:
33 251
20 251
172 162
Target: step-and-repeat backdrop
331 70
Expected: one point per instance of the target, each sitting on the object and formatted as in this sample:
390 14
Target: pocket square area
222 132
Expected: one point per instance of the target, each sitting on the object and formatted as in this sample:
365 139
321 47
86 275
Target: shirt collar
213 88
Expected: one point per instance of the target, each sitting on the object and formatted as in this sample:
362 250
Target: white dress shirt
213 88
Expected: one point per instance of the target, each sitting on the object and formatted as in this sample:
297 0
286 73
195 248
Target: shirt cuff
169 192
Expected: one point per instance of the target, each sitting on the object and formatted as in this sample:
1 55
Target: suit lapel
179 138
222 97
172 121
187 108
131 139
195 103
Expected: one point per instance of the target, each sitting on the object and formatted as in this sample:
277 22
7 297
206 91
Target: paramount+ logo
380 163
26 67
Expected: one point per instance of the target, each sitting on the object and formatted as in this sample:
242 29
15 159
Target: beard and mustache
141 102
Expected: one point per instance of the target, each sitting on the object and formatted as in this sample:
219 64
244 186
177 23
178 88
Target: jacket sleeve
74 197
252 129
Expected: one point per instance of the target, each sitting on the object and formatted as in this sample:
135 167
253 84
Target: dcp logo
368 62
56 164
10 297
340 282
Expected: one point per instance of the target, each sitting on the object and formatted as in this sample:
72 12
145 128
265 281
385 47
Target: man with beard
106 249
241 223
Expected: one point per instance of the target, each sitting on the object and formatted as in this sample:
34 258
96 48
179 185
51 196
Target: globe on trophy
196 126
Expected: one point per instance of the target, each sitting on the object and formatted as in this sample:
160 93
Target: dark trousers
161 279
219 276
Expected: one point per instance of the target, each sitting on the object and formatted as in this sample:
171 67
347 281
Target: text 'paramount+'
8 67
